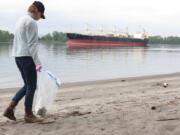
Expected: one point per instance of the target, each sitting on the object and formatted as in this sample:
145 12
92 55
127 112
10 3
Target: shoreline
94 82
82 83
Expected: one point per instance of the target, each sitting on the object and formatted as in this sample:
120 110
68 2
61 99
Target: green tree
55 36
47 37
164 40
5 36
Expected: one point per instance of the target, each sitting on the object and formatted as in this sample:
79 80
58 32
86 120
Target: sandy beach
129 106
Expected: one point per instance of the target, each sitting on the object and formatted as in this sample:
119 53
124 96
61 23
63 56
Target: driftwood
168 119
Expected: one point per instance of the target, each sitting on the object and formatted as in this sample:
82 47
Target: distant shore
137 105
60 37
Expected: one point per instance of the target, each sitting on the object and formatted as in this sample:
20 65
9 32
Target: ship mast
70 27
127 32
87 28
101 29
115 30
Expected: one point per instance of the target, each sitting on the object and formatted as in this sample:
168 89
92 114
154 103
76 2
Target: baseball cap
40 7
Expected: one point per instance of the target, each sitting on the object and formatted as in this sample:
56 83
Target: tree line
164 40
59 36
5 36
56 36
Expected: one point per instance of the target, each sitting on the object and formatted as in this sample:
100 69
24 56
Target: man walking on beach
25 51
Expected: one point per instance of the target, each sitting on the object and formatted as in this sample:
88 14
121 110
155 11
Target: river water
74 65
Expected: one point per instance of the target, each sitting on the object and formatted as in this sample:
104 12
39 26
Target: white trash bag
46 91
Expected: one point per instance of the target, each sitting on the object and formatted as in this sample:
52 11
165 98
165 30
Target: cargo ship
80 40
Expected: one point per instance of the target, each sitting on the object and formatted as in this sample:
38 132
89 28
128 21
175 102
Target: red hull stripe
95 43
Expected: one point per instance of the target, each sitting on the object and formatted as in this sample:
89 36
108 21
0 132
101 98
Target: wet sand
128 106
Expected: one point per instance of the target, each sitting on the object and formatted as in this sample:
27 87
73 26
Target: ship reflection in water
114 55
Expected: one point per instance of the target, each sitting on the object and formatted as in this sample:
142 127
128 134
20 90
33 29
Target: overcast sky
158 17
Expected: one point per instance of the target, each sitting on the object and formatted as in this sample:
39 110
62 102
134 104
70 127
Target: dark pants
28 72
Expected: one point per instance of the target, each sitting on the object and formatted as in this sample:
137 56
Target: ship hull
86 41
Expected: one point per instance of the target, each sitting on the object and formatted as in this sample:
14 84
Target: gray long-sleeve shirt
26 39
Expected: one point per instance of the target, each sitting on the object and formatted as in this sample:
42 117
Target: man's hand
38 67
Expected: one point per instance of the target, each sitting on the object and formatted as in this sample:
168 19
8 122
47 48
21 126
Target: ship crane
87 29
101 30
